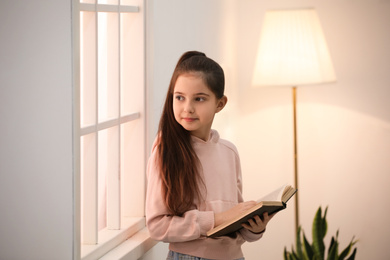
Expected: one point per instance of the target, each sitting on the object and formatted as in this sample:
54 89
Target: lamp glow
292 50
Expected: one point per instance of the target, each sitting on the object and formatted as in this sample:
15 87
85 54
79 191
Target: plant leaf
331 245
333 250
285 254
308 249
299 244
352 257
324 223
318 229
294 255
347 250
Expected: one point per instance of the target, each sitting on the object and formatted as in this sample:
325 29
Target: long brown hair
179 164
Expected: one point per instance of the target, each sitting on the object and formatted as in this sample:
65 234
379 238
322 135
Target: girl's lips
189 119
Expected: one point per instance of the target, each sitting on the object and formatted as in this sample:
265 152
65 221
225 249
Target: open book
271 203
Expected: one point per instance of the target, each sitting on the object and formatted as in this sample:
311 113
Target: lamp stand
294 94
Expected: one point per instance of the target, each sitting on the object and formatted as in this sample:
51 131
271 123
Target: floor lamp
292 52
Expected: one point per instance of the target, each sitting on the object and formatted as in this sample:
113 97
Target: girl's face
194 105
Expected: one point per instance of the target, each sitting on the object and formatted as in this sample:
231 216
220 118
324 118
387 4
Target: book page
276 195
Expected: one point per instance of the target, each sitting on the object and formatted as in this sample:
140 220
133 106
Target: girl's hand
257 224
222 217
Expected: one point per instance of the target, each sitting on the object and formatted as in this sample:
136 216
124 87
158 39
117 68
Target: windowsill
132 240
133 248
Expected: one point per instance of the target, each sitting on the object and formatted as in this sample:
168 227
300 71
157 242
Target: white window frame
125 207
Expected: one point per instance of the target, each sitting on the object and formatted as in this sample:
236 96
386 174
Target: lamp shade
292 50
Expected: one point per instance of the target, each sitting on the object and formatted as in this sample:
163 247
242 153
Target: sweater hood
213 138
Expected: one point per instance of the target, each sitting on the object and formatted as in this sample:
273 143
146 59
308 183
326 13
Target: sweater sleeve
161 225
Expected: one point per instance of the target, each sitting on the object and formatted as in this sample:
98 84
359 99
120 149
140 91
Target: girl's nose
189 108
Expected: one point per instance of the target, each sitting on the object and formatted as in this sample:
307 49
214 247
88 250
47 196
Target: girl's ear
221 103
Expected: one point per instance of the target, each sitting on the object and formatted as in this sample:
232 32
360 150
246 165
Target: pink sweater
186 234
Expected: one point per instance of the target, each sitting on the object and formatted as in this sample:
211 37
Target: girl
194 177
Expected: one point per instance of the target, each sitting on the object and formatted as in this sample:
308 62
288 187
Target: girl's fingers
246 226
258 224
258 219
252 222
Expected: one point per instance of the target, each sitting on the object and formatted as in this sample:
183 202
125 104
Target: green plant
316 250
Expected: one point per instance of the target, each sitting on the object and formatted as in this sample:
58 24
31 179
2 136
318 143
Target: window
109 123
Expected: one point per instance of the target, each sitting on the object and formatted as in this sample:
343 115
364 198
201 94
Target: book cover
271 203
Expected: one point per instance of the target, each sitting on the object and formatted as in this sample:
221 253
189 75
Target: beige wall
343 128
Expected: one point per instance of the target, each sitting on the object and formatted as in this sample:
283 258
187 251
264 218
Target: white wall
36 130
343 128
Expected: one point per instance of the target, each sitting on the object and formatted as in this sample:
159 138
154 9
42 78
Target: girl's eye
180 98
200 99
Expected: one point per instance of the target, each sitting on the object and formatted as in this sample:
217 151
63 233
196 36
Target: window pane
108 187
88 68
132 63
132 168
108 66
88 186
